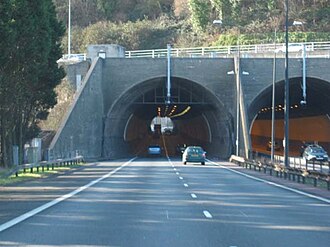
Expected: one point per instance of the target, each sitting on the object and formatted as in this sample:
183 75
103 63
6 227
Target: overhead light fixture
217 22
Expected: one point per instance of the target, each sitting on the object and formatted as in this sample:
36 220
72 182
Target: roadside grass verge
25 176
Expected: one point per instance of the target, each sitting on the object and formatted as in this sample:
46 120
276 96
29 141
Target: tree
200 11
30 71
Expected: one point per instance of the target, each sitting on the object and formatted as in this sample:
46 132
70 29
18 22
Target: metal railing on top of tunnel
226 51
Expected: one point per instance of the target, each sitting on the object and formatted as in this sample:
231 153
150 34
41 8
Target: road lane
261 213
17 199
147 204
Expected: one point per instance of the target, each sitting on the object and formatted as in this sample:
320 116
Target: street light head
217 22
231 72
303 102
297 23
245 73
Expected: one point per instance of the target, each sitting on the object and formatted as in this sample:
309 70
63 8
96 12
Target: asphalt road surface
159 202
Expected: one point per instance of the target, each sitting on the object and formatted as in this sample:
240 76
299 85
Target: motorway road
160 202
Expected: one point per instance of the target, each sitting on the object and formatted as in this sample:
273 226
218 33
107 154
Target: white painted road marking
35 211
193 196
181 178
185 185
177 173
272 183
174 169
207 214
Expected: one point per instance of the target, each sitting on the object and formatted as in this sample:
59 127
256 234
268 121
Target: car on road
154 150
194 154
315 153
293 47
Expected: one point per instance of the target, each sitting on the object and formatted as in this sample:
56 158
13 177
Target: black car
315 153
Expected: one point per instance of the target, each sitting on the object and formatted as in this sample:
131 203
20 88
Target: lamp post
286 89
273 102
69 30
287 86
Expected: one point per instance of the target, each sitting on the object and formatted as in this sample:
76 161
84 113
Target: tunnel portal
308 122
198 117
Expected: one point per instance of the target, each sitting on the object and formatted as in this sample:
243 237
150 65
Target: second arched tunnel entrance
198 118
308 123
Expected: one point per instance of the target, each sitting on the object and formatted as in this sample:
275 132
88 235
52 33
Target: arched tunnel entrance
308 123
197 115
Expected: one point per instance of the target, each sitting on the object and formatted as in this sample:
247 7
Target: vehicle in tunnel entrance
309 123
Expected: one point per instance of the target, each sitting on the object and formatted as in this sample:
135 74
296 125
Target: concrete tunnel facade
102 121
107 120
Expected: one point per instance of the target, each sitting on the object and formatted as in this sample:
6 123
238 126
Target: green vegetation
29 48
35 175
149 24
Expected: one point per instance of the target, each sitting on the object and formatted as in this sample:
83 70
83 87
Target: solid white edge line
37 210
274 184
207 214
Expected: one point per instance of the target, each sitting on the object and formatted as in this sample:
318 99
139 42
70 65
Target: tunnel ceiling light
183 112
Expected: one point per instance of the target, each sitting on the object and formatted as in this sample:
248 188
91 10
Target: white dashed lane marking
207 214
181 178
185 185
193 196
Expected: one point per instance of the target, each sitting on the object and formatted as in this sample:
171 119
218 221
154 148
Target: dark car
194 154
315 153
154 150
